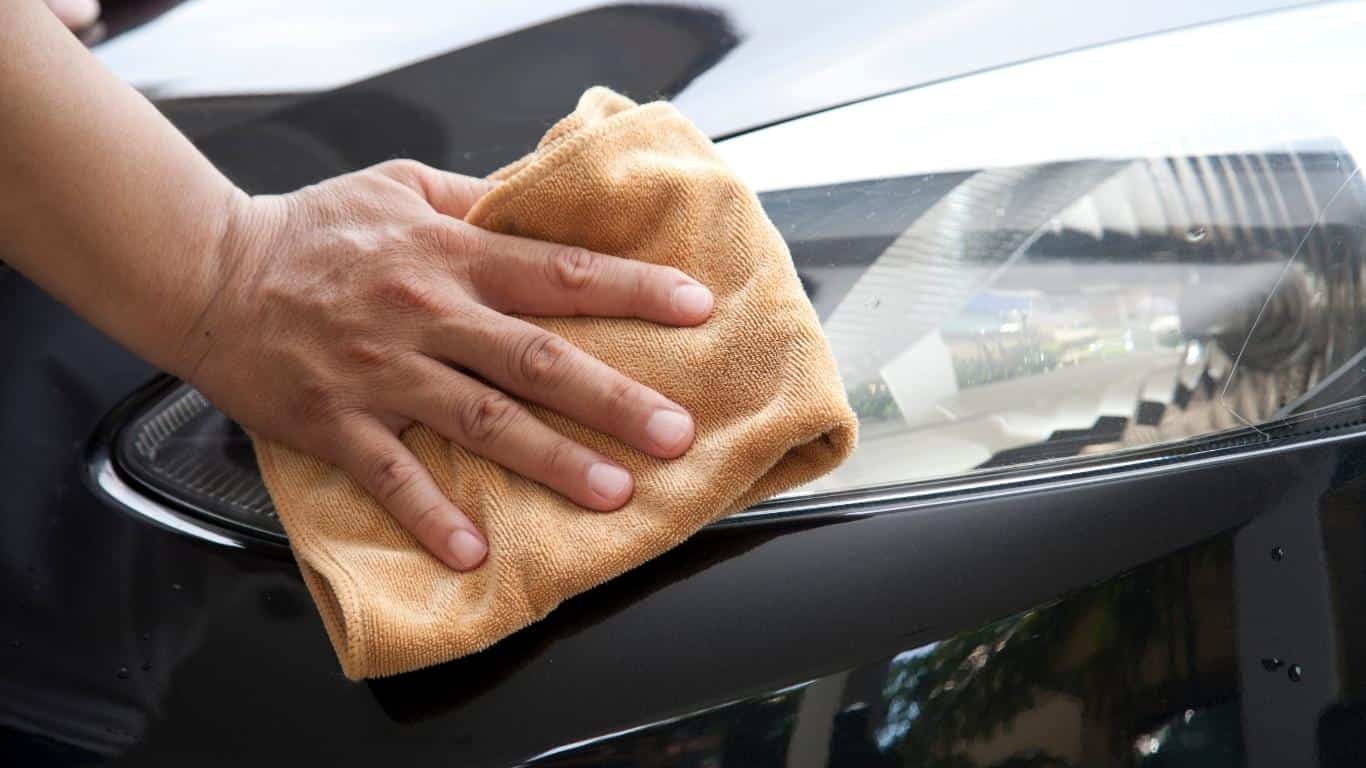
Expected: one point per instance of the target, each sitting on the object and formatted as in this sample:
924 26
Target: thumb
450 194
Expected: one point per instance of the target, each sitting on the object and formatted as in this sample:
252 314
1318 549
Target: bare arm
330 318
103 202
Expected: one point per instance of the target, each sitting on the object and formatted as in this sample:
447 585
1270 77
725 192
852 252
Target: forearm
103 202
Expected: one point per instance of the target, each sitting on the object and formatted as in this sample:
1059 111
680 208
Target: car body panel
785 58
780 642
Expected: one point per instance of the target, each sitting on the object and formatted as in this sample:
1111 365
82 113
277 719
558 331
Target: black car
1095 277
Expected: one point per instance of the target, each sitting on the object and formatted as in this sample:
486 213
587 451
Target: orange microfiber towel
758 377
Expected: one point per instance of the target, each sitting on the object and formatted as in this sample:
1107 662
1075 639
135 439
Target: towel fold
758 378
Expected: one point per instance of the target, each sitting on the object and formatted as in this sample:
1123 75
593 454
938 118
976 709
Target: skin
75 14
330 318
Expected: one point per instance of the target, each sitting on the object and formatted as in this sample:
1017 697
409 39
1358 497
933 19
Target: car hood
753 62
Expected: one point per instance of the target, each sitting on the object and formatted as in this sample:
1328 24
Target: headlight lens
1115 248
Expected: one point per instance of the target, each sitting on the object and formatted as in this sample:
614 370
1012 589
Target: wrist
239 233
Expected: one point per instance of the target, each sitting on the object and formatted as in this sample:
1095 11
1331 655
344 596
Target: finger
494 426
451 194
389 472
539 366
75 14
530 277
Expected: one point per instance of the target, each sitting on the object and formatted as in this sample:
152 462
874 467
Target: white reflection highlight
264 46
1237 86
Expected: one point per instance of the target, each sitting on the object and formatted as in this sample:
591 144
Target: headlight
1120 247
1115 248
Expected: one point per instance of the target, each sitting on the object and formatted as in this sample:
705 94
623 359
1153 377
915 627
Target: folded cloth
758 377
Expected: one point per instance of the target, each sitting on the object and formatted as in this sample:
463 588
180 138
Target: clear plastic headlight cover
1130 246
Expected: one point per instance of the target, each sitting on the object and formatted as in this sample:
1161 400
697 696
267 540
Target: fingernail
608 481
692 301
668 429
467 550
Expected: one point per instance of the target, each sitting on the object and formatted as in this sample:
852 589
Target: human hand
349 310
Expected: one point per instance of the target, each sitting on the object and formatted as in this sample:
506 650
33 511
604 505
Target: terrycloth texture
758 377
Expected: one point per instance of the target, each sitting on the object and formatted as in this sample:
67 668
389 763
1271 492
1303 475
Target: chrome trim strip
856 505
107 482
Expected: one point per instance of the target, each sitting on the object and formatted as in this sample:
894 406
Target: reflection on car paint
1140 670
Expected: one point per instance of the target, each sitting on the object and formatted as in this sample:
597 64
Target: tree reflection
1077 682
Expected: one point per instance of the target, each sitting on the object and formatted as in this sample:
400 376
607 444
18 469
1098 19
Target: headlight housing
1119 248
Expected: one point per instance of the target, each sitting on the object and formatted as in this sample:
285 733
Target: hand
348 310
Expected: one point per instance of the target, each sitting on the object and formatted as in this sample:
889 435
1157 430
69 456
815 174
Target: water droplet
146 636
1188 715
1196 233
1296 672
1271 664
16 643
1278 553
146 666
122 673
176 586
874 303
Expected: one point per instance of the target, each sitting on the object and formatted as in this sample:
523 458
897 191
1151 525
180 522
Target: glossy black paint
474 109
238 668
765 644
789 57
1032 689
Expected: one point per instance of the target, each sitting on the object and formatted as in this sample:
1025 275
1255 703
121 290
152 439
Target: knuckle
623 396
408 293
318 402
559 460
428 523
573 268
443 236
646 284
366 354
400 167
463 250
460 320
487 417
391 477
540 358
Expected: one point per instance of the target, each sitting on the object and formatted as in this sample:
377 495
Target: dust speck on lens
1296 673
122 674
1271 664
1278 553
